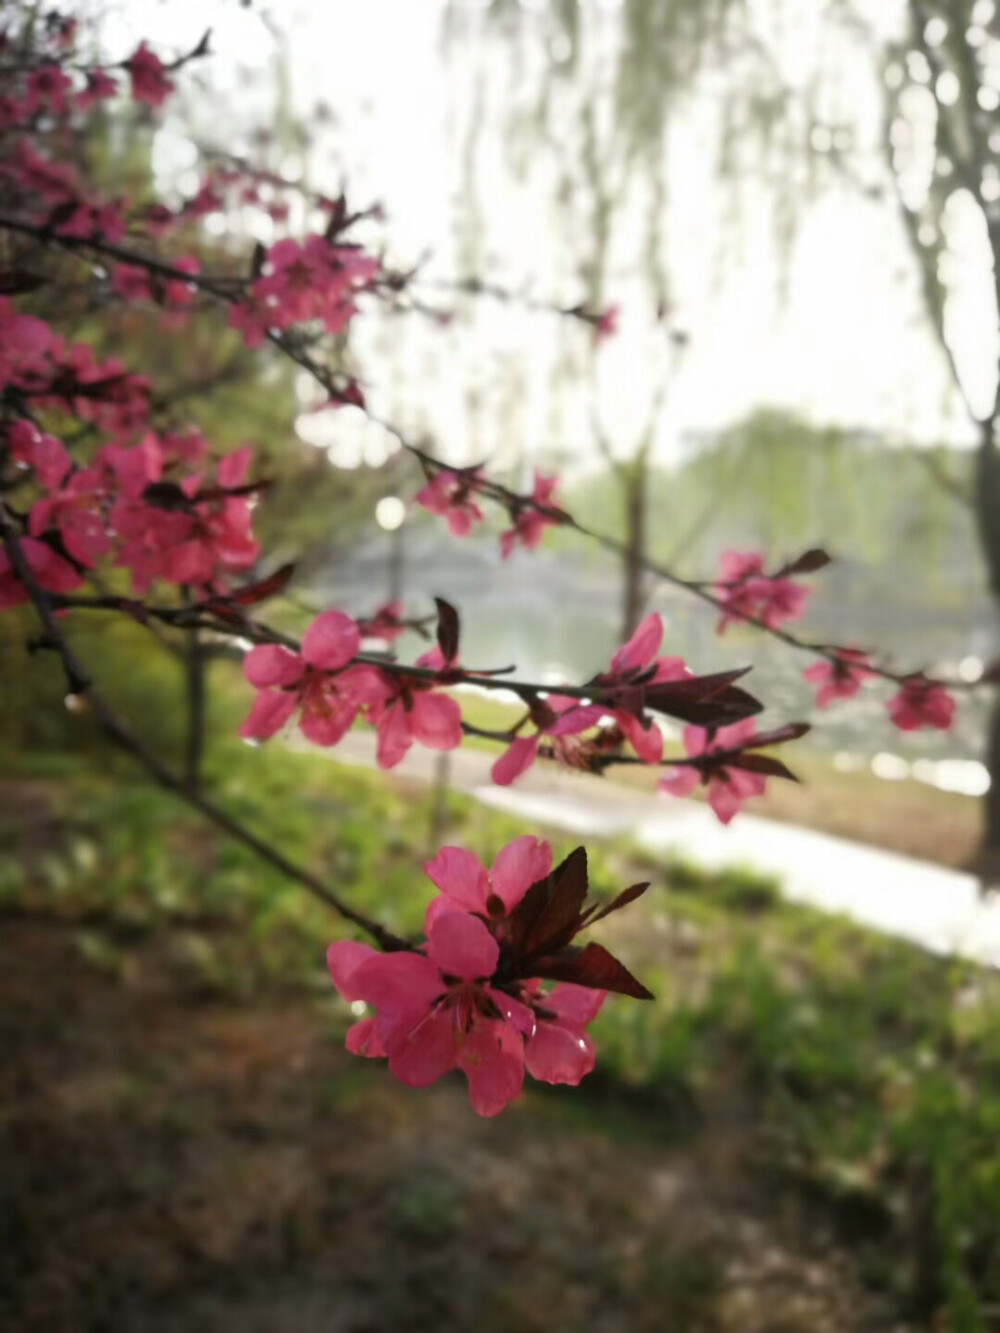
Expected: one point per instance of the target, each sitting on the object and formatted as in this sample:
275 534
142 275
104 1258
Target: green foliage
777 482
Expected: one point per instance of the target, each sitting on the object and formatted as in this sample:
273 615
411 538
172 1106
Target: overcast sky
846 344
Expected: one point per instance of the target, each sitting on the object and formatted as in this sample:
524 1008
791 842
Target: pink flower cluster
624 690
123 506
529 523
302 281
921 703
747 593
841 678
328 691
452 495
728 785
49 89
451 1005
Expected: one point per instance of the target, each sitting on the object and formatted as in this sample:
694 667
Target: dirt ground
174 1159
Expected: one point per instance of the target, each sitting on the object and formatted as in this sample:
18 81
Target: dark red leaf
626 896
548 915
707 701
807 563
448 629
209 493
166 495
763 763
591 966
792 731
252 593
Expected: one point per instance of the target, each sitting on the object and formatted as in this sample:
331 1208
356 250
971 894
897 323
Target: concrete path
940 909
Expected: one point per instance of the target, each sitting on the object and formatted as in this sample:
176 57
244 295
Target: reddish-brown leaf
591 966
807 563
707 701
629 895
549 913
448 629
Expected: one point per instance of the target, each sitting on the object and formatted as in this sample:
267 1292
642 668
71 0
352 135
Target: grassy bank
827 1068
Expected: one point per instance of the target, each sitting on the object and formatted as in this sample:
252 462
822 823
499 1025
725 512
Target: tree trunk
987 501
988 859
633 592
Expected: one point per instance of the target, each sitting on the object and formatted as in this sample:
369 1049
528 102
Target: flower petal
269 664
462 876
516 759
331 641
436 721
559 1054
461 946
642 647
492 1059
519 865
269 713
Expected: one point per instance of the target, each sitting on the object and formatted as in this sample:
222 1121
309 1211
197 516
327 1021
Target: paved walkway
940 909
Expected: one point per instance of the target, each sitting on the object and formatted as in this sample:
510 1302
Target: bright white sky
848 343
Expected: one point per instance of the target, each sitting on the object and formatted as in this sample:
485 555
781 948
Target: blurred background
795 211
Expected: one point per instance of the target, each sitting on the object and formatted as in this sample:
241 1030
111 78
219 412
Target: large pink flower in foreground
438 1012
467 999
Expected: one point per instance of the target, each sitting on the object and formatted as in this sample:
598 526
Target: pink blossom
44 454
134 283
437 1012
94 222
841 678
607 323
921 703
452 495
635 667
47 90
746 592
150 82
530 525
77 512
385 624
559 1049
414 712
466 883
314 279
317 682
463 1001
25 345
728 785
49 570
560 721
100 87
13 112
55 182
